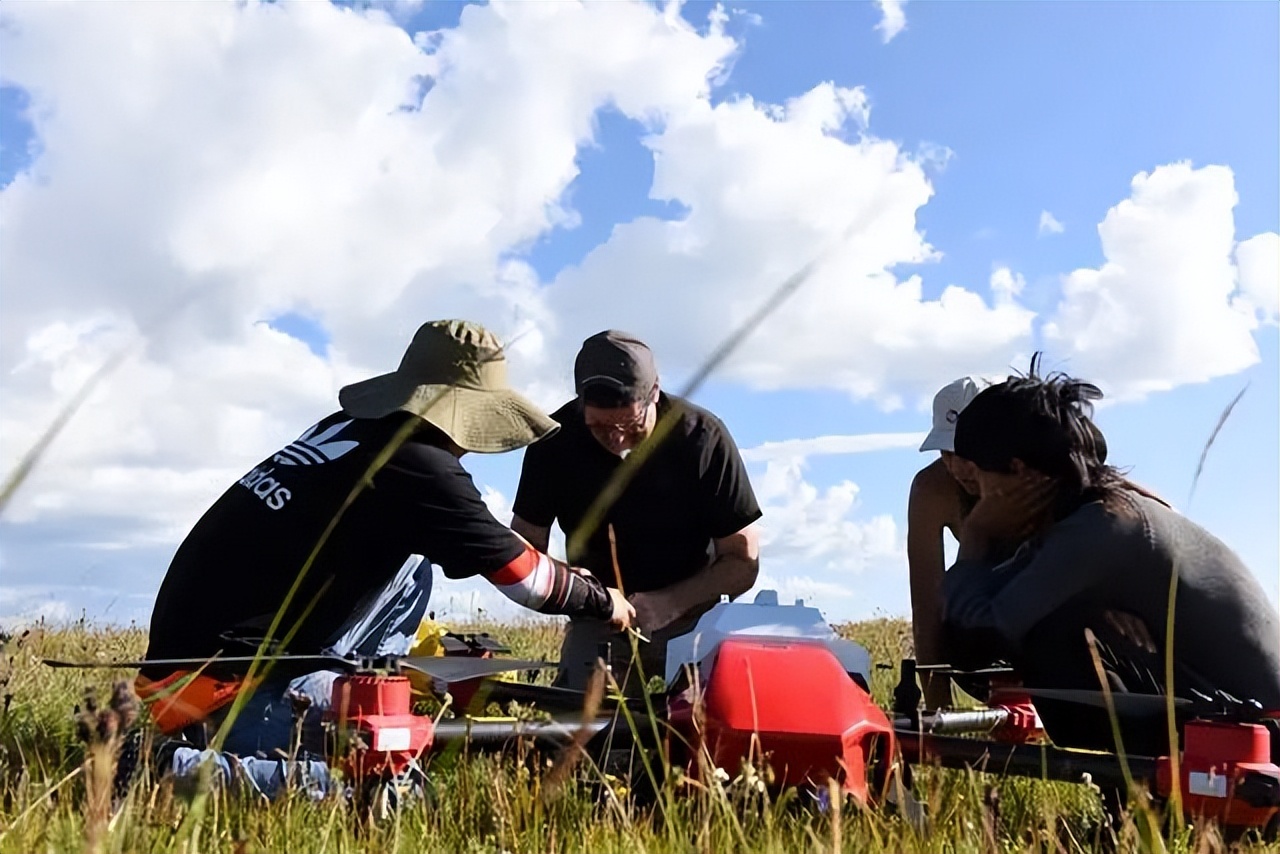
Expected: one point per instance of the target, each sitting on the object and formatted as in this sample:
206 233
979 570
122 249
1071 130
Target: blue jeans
268 727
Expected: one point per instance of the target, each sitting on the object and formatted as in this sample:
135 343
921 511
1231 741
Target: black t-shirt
693 489
238 563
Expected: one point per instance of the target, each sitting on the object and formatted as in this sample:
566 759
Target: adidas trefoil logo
312 449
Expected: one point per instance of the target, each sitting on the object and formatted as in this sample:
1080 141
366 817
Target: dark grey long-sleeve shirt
1225 629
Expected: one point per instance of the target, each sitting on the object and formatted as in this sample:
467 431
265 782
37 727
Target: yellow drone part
428 640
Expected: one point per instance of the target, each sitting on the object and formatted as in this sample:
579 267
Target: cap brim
939 440
482 421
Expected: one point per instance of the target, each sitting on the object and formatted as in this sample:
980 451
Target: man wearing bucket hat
942 494
678 537
345 522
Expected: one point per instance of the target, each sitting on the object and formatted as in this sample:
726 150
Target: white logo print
311 449
308 449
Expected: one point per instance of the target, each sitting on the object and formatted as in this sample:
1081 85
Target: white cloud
25 606
769 189
825 445
1258 263
1162 310
1049 224
893 19
257 158
1006 285
215 165
810 530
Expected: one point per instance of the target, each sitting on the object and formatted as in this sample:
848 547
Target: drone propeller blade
319 660
550 698
460 668
948 670
1123 703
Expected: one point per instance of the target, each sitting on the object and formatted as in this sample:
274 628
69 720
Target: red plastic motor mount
1226 774
1022 723
790 703
379 709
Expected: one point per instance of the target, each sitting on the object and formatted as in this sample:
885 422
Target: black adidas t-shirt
693 489
238 563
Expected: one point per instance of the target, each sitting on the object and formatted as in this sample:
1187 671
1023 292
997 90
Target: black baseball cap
614 369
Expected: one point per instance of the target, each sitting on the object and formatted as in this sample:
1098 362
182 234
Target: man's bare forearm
728 574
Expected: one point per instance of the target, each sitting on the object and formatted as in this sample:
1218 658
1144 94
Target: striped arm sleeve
544 584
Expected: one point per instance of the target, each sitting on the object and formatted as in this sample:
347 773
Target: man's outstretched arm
541 583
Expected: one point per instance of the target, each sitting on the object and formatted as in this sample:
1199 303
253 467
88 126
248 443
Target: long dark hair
1046 421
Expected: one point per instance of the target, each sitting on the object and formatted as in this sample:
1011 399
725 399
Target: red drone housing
759 704
1226 773
378 709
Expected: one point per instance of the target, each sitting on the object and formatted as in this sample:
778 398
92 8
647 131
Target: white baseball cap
947 406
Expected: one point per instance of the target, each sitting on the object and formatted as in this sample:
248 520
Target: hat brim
488 421
939 440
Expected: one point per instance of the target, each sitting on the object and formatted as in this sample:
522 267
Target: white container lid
763 618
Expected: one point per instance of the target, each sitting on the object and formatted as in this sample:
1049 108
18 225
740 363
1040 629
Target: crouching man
332 538
680 534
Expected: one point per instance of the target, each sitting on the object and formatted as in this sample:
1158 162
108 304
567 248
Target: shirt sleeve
729 501
1081 555
434 506
536 501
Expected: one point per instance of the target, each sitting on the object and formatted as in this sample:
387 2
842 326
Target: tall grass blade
1217 428
1175 758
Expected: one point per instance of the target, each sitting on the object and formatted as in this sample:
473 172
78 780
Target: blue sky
1001 112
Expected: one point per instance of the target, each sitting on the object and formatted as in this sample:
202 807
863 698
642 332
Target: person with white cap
942 494
330 540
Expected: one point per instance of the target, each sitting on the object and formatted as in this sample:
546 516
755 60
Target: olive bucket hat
454 377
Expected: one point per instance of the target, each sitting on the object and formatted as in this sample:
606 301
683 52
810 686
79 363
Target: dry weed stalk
103 732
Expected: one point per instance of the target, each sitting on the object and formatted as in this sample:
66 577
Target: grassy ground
54 794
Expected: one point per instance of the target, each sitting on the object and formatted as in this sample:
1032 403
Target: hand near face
1014 508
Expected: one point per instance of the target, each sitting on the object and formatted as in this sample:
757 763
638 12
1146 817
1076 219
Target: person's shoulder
695 422
1115 514
933 478
934 484
425 458
936 494
572 429
567 414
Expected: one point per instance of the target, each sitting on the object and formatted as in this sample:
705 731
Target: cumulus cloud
1165 308
809 528
203 169
1258 263
769 189
893 19
260 158
1049 224
256 159
824 445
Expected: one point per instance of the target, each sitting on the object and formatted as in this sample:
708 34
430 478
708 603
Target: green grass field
54 795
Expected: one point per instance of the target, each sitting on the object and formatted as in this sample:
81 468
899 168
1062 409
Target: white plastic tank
762 618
